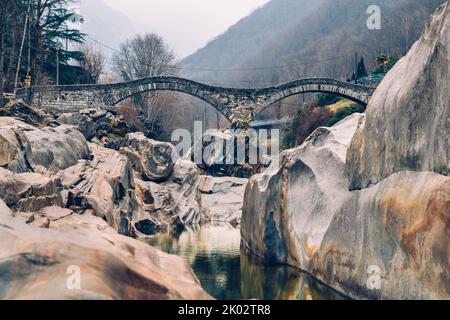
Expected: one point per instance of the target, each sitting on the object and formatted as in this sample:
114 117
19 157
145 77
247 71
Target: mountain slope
324 43
307 38
105 24
245 39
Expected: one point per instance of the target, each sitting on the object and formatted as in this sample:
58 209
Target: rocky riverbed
69 197
364 206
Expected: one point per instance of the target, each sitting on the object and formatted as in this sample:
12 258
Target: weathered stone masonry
237 105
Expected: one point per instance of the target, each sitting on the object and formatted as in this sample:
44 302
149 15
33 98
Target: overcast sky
187 25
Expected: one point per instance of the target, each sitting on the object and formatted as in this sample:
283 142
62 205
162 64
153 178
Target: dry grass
342 104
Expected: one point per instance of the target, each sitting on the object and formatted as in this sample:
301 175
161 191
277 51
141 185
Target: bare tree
14 30
143 56
3 13
93 64
148 56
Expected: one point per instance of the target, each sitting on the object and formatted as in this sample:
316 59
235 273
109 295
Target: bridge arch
126 90
355 93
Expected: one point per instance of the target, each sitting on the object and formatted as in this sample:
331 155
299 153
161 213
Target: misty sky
187 25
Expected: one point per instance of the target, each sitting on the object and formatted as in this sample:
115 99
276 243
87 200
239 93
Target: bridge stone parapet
63 99
237 105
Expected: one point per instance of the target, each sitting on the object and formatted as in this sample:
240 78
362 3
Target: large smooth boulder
302 213
159 209
24 148
4 209
11 122
408 118
183 185
188 198
57 148
105 185
29 191
400 228
15 148
151 159
81 257
221 198
288 208
200 198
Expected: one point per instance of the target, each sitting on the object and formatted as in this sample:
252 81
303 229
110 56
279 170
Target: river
228 273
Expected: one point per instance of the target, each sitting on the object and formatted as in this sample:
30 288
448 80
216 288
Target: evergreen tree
361 70
382 61
52 29
392 61
49 30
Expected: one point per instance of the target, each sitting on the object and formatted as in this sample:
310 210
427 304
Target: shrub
344 113
131 115
326 99
306 121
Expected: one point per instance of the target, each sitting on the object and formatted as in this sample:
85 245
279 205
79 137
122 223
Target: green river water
228 273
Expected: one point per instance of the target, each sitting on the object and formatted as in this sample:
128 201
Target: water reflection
265 282
226 273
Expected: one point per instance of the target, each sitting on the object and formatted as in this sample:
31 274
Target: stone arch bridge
237 105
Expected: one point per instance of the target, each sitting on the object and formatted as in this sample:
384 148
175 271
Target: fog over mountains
284 39
106 25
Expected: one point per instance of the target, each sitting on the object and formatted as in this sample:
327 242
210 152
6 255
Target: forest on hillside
307 40
324 43
245 41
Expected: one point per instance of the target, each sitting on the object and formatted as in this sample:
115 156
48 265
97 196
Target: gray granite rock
57 148
24 147
82 258
106 185
407 126
151 159
15 148
221 198
289 207
29 191
302 213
